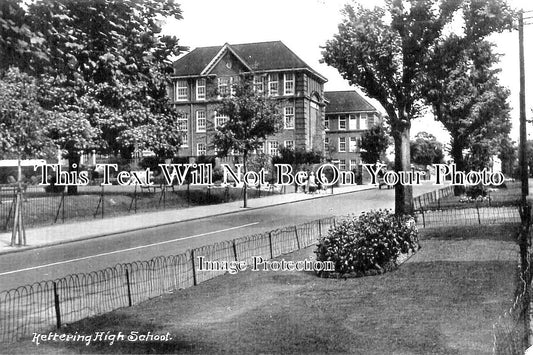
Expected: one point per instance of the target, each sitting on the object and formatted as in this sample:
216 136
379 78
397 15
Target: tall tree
426 150
467 98
112 56
374 143
252 117
386 51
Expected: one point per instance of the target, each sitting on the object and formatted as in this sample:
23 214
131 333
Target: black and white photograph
266 177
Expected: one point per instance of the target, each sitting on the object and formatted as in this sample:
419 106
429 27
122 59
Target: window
353 144
342 164
289 144
288 79
200 89
200 121
181 90
183 127
224 86
342 122
352 122
220 119
200 149
326 123
326 144
353 164
363 121
288 117
342 144
258 83
273 148
273 84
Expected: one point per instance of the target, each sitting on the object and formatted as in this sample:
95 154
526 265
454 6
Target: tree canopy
374 143
252 117
388 51
426 150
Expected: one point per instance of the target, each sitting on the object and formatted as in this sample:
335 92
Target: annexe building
205 73
348 116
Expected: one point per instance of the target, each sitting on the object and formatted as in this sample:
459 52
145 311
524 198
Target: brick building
206 71
348 116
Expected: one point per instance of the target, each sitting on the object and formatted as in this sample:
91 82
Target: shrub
372 241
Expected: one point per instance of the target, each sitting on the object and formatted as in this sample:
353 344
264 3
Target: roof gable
346 101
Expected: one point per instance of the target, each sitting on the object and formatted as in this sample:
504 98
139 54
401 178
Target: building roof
262 56
346 101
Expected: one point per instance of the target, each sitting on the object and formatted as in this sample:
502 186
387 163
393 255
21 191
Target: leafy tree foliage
387 52
252 117
426 150
374 143
105 67
23 122
469 101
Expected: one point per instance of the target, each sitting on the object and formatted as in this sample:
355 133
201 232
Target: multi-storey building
348 116
204 74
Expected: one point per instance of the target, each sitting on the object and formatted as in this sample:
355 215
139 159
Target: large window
200 121
258 83
224 84
342 122
200 89
220 119
288 117
352 122
200 149
288 79
273 147
353 144
183 127
326 144
342 164
326 123
273 84
342 144
363 123
181 90
289 144
353 164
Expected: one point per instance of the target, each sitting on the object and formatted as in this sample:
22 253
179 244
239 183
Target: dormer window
181 90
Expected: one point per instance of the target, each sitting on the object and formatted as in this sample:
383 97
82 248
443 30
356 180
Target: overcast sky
305 25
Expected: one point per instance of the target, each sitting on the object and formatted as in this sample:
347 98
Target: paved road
48 263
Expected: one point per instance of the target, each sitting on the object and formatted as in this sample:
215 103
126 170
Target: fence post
319 228
297 239
235 250
129 287
423 218
478 216
193 269
270 242
56 306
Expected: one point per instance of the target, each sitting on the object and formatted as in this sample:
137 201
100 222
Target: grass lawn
443 300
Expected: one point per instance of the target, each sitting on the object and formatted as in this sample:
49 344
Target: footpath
94 228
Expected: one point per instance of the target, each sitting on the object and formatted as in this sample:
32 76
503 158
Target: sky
305 25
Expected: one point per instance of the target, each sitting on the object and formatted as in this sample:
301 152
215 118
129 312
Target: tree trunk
460 165
402 162
245 187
